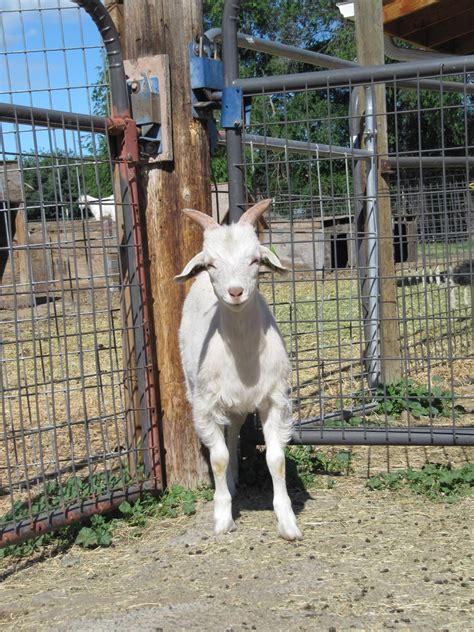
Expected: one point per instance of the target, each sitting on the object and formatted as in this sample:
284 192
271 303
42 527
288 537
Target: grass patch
434 481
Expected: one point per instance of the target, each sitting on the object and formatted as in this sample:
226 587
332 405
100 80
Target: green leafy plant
99 533
98 529
309 462
434 480
417 399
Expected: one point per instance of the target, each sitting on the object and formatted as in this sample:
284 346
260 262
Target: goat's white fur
234 359
100 208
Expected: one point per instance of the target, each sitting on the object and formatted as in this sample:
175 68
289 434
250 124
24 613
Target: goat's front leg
276 430
211 434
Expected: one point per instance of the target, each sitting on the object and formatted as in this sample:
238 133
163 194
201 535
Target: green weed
308 462
434 481
417 399
98 530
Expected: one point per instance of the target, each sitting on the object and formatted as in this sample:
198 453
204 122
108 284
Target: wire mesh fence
301 149
72 365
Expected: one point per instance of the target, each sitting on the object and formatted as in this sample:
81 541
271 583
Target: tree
417 120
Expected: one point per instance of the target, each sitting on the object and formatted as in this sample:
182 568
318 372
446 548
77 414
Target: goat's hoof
290 532
224 526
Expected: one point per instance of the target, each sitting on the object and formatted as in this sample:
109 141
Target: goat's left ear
191 269
270 262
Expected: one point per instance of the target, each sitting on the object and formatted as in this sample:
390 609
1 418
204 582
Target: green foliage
418 399
174 501
98 529
309 462
99 533
435 481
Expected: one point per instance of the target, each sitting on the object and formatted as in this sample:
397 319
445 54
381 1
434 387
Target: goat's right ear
191 269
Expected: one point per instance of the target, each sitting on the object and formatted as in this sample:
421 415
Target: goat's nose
236 292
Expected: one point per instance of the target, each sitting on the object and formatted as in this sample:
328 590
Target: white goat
100 208
234 358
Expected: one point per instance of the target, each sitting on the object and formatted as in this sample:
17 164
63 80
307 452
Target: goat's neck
243 328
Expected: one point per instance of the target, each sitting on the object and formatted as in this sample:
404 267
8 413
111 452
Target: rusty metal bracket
149 89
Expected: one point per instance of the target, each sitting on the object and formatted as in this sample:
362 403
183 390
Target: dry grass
322 324
64 396
64 389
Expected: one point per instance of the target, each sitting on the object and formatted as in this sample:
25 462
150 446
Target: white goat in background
101 208
234 358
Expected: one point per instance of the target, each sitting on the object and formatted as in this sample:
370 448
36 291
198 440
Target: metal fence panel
74 367
300 147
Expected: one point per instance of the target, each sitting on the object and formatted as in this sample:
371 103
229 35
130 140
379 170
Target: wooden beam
157 27
460 45
370 51
452 28
428 16
401 8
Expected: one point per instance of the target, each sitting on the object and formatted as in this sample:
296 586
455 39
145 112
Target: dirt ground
368 561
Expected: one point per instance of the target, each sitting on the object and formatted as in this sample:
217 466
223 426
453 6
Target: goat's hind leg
274 429
232 432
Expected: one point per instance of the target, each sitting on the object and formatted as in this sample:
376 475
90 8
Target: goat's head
232 256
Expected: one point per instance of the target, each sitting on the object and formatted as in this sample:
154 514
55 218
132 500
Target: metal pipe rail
320 150
249 42
385 436
358 76
303 147
55 119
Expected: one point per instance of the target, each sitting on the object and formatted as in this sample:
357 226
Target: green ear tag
274 250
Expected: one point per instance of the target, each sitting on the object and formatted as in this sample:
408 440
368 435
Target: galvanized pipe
235 156
26 115
249 42
111 40
424 435
372 273
258 44
303 147
358 76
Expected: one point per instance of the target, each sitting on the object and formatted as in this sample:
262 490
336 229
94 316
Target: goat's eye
210 265
256 260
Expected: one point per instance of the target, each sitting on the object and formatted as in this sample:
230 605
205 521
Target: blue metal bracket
207 76
232 110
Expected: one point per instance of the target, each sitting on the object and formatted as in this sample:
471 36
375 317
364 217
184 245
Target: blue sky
50 53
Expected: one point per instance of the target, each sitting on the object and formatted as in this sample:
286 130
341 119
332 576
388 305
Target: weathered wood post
370 51
160 27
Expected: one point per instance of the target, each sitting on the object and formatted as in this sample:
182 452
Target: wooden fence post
157 27
370 51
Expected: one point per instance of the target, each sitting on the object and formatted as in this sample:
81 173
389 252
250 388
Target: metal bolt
135 86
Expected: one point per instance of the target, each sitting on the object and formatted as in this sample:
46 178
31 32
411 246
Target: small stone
70 560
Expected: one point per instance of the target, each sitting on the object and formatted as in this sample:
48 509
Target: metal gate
378 323
79 427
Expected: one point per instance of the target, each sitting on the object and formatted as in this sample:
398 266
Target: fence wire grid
72 406
300 148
